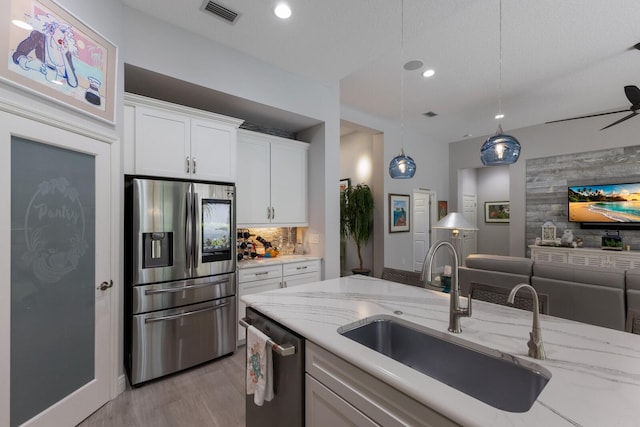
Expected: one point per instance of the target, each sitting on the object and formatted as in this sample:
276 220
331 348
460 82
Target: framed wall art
344 184
50 52
399 213
496 211
442 209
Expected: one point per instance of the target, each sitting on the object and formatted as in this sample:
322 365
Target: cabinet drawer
259 273
300 279
300 267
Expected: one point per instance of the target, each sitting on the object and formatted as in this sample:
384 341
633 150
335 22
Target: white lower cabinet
299 273
269 277
341 394
252 281
325 408
626 260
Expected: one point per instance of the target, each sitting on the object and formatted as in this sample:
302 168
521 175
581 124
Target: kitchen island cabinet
168 140
595 371
272 181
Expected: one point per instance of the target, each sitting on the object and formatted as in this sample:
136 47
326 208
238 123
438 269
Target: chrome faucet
455 312
536 349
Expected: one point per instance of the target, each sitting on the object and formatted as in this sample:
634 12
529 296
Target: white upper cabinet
272 181
168 140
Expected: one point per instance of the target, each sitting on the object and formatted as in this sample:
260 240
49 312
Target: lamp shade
455 221
402 166
500 149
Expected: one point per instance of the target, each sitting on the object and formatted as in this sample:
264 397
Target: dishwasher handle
282 350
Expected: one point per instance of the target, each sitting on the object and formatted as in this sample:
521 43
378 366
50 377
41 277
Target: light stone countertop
280 259
595 371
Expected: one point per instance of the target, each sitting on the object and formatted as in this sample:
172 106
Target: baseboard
122 383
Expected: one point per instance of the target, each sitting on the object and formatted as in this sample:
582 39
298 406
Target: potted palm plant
356 218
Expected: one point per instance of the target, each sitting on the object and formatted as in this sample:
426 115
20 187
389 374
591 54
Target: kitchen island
595 371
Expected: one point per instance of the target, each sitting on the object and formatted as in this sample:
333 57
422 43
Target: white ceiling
559 58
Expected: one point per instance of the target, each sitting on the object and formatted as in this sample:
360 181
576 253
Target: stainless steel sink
497 379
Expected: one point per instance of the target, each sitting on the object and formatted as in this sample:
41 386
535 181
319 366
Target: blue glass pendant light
500 149
402 166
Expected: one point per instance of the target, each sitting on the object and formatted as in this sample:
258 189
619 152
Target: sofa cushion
585 294
501 263
633 289
494 270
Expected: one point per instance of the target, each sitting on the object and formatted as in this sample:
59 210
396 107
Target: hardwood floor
207 395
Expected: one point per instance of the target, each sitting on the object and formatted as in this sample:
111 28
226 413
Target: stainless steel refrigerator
180 287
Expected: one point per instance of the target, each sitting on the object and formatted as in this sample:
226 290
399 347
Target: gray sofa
597 296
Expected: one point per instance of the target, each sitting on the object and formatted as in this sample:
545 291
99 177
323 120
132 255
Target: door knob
105 285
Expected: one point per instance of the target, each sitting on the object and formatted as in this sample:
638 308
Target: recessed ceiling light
429 73
467 135
499 116
282 11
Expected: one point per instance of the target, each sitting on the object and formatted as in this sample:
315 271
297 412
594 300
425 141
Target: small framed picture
496 211
344 184
442 209
548 234
399 214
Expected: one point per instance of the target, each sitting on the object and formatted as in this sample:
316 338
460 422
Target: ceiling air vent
430 114
220 11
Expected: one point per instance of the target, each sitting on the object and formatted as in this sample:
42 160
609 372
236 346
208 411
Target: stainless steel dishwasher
286 409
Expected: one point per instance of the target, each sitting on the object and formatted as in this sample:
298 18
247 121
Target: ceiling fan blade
590 115
633 95
621 120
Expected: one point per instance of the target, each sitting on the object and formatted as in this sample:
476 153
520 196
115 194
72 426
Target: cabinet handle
284 284
262 273
195 164
301 268
268 212
188 164
273 212
188 313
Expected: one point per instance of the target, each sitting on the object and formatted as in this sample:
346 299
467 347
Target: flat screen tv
605 204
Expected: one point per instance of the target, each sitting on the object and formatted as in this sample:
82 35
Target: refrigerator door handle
187 233
184 288
196 228
188 313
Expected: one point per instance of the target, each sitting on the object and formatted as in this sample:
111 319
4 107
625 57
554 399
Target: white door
55 325
422 207
468 238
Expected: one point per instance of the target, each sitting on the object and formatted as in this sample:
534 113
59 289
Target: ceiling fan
633 95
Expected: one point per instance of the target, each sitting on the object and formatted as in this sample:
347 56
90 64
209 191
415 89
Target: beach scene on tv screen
605 203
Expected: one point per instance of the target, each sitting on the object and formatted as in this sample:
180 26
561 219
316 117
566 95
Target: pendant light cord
500 66
402 75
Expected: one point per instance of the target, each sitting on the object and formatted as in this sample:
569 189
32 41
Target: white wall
432 160
541 141
357 164
493 186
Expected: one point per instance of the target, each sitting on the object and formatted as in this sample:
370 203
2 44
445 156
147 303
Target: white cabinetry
325 408
272 181
252 280
626 260
299 273
169 140
340 394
